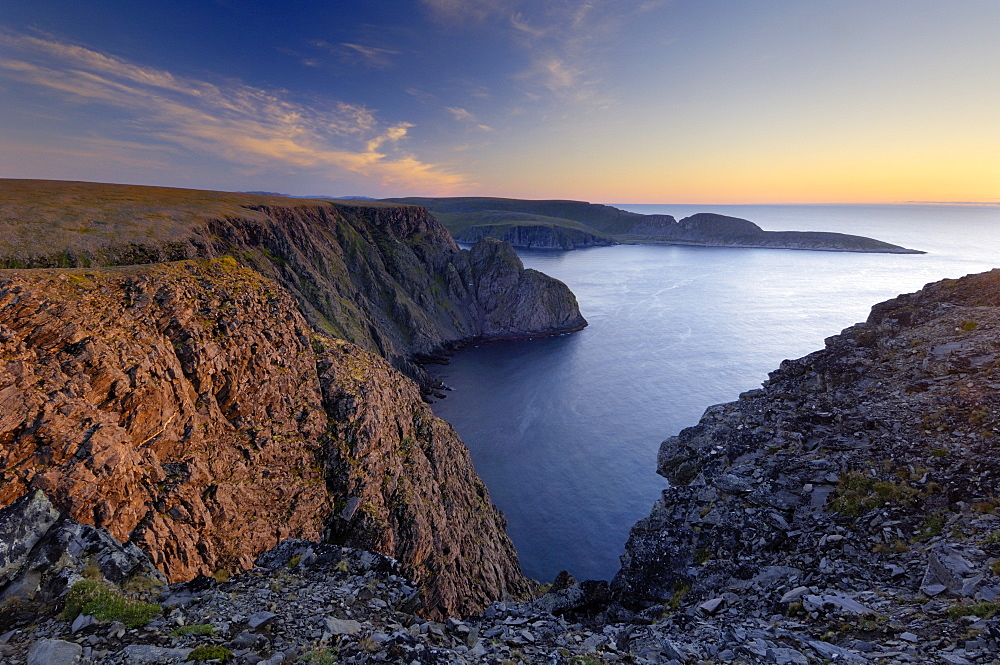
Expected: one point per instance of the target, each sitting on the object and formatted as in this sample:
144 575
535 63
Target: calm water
565 430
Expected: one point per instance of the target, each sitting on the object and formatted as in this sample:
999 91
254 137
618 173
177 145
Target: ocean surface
564 430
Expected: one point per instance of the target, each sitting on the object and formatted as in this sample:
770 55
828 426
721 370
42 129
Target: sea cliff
204 374
189 409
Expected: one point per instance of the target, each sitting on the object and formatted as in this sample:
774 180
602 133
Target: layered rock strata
189 408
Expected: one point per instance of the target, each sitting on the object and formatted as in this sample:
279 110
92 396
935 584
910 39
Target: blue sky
616 100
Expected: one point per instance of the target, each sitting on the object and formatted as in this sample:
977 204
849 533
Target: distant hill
558 224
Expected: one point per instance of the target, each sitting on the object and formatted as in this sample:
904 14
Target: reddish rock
189 409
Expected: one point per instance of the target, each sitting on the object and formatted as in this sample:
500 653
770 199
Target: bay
564 430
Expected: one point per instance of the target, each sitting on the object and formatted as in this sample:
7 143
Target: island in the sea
572 224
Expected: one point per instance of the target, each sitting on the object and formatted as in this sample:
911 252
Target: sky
628 101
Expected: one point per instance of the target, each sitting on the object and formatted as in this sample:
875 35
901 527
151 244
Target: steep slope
386 277
533 232
862 480
471 218
189 408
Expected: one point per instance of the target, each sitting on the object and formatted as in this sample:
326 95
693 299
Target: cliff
387 277
189 408
855 493
581 223
536 235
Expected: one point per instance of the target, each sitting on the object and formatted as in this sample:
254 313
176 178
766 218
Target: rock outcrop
536 236
42 553
387 277
189 408
856 493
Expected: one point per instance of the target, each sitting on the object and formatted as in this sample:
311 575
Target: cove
564 430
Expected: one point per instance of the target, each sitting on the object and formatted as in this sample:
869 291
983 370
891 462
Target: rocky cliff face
189 408
861 481
536 236
387 277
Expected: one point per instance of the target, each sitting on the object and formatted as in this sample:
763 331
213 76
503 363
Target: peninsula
571 224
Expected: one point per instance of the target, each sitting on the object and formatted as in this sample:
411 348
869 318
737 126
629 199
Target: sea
564 430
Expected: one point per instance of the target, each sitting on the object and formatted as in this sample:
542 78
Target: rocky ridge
855 494
190 409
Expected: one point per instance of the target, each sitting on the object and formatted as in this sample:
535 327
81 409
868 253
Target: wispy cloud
467 116
460 114
563 39
373 57
466 11
246 125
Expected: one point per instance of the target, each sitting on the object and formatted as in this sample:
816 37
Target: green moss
584 659
933 525
201 629
680 590
105 603
210 652
986 610
324 656
858 493
969 326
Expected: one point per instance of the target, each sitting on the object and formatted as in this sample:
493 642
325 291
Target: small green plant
969 326
987 507
995 567
702 555
985 610
210 652
933 525
200 629
584 659
939 452
294 561
104 603
680 590
221 575
858 493
898 547
321 656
